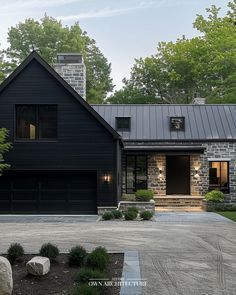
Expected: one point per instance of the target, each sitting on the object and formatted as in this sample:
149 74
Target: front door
177 175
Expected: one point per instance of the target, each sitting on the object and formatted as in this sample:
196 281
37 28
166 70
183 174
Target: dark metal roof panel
151 122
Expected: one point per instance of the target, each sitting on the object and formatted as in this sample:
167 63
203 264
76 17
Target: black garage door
48 192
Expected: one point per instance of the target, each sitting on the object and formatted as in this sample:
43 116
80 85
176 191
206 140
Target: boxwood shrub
77 256
98 259
130 215
134 209
117 214
85 274
14 252
107 215
49 250
214 196
144 195
146 215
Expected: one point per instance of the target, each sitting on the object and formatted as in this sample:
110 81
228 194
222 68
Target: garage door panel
69 192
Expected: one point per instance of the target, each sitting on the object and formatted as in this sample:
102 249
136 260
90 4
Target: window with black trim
123 123
177 123
219 176
36 122
136 173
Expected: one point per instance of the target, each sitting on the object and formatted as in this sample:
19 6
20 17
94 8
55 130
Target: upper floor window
35 122
219 176
177 124
123 123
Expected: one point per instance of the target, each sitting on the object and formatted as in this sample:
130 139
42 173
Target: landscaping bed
61 278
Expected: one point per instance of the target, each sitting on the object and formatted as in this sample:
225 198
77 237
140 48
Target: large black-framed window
136 173
219 176
36 122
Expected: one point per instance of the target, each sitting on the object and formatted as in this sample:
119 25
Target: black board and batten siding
83 146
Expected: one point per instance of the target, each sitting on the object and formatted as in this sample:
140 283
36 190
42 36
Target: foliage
117 214
77 256
134 209
130 215
14 252
49 250
4 147
229 214
49 37
85 289
146 215
144 195
202 66
128 197
85 274
214 196
98 259
107 215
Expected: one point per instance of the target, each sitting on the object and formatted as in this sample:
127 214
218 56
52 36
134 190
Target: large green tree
4 147
179 71
48 36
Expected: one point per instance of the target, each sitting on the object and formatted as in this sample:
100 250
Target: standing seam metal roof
151 122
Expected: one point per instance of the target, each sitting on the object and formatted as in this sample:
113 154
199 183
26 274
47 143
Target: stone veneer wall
200 185
75 75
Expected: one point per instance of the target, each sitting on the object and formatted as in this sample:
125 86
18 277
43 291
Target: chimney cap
69 58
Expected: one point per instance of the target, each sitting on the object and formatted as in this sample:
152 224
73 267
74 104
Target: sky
123 29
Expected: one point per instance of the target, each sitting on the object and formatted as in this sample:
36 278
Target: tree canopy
179 71
50 37
4 147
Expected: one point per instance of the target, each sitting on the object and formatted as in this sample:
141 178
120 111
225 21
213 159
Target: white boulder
6 282
38 266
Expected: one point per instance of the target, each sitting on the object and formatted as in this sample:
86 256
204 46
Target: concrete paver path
178 255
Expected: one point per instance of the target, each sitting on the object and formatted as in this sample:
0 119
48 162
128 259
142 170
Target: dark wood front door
177 175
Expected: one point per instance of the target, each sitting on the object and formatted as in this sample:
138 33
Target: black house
72 158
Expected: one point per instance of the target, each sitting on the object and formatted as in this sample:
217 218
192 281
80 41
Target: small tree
4 147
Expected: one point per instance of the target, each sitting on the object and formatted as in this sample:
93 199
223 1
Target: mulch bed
61 278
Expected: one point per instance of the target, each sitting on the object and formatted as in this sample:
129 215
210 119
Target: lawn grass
229 214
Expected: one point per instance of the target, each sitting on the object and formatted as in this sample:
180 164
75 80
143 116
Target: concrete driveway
177 255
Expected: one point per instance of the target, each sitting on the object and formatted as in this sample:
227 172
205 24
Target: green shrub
85 289
117 214
144 195
146 215
130 215
85 274
14 252
134 209
49 250
98 259
107 215
214 196
77 256
128 197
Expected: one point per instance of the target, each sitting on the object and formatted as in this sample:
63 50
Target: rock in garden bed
61 278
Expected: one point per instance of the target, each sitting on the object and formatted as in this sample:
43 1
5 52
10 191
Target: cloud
104 12
30 4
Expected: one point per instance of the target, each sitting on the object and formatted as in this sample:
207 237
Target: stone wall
199 183
141 206
75 75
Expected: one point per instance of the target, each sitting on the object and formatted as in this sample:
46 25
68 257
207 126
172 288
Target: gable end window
219 176
36 122
123 123
177 123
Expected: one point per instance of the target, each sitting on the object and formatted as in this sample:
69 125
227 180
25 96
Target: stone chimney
199 100
71 67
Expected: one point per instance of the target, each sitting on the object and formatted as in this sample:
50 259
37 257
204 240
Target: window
136 173
123 123
36 122
177 124
219 176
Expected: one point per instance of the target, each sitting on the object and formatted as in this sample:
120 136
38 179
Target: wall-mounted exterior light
196 173
107 178
160 174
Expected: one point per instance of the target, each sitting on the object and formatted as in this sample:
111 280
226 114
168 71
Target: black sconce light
107 178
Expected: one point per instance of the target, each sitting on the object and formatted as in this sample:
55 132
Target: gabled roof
35 56
152 122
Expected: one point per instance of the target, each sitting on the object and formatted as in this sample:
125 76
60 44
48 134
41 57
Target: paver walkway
178 256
